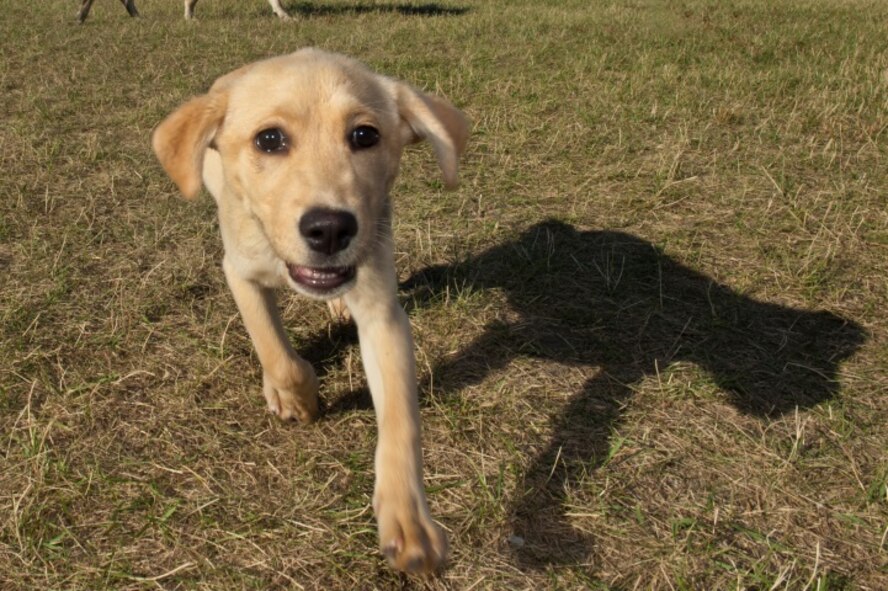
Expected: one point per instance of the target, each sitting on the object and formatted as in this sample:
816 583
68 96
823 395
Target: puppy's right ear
182 138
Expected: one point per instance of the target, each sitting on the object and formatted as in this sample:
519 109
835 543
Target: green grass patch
650 323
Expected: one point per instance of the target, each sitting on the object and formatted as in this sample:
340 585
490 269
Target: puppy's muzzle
327 232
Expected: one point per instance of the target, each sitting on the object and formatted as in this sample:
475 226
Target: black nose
328 230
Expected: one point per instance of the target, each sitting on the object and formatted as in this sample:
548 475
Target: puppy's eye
363 137
271 140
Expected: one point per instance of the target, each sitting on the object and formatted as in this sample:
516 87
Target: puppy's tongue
321 278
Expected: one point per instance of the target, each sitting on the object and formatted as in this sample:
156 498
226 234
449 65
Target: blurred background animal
130 6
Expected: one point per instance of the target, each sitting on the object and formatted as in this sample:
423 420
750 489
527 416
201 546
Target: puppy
130 6
300 153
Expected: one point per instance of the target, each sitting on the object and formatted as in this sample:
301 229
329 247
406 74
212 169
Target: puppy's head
309 144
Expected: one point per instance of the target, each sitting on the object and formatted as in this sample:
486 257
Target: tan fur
317 98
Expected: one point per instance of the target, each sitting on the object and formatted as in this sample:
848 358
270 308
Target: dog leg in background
279 10
289 382
84 10
275 6
86 6
130 6
189 9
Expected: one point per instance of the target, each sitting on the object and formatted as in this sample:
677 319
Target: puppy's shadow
406 9
616 303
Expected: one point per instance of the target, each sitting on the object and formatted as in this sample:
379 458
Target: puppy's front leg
289 382
408 537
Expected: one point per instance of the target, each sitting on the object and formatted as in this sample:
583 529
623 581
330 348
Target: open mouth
321 278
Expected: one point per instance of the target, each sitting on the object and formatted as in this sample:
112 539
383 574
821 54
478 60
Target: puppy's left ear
428 117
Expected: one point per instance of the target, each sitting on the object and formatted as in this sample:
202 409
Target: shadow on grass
327 350
406 9
615 302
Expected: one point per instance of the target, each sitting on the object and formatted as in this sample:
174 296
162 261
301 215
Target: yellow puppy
300 152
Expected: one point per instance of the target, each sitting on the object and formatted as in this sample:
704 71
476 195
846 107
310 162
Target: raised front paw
408 537
292 391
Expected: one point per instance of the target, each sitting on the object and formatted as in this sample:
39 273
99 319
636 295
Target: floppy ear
434 119
182 138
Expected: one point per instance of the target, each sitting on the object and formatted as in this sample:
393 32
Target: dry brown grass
650 324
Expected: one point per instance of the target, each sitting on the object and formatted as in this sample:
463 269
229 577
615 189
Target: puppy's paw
292 393
408 537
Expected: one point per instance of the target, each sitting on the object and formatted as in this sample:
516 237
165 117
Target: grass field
650 324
